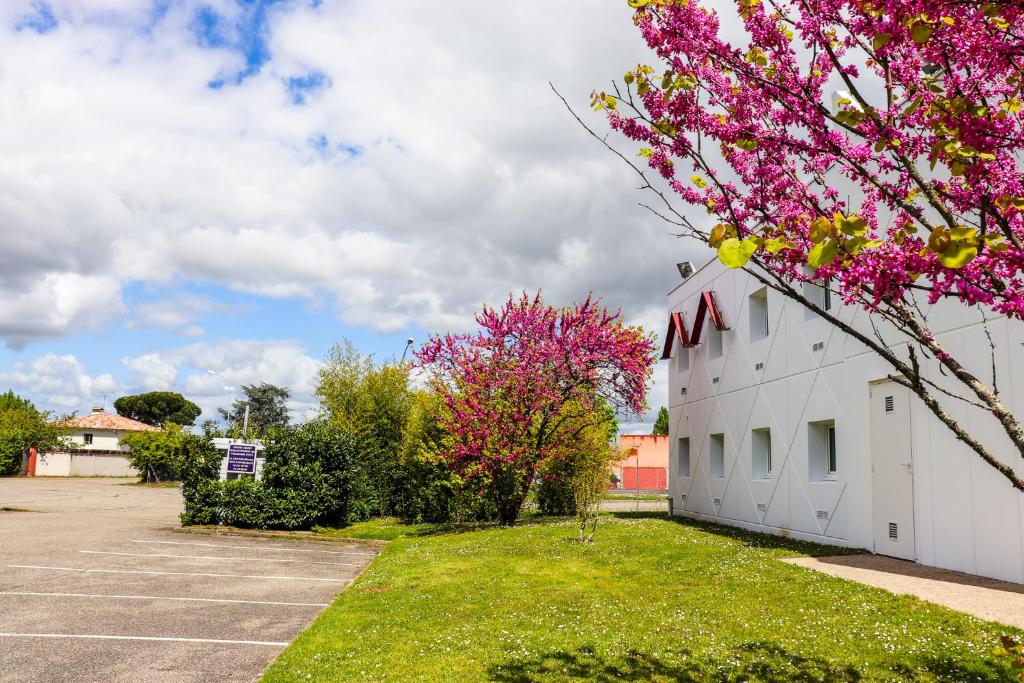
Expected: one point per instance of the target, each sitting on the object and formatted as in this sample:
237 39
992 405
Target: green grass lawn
650 600
634 496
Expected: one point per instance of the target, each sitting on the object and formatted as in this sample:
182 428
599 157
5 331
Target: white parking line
162 639
214 557
162 597
261 547
139 571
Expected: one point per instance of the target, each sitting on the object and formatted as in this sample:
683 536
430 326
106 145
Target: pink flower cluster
906 114
507 385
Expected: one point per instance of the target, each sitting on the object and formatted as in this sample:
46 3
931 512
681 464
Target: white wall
61 464
967 517
102 440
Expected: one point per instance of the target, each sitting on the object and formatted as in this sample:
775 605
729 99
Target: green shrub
306 481
156 455
199 463
554 490
21 426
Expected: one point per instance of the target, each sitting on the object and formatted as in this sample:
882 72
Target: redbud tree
870 146
522 388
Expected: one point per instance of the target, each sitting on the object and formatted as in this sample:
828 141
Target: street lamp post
245 418
408 343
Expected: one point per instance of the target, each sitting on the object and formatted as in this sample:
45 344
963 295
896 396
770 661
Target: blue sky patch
301 87
40 20
244 32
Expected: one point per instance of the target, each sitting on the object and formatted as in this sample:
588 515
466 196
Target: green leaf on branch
820 229
881 40
777 244
734 253
850 225
823 254
921 33
958 255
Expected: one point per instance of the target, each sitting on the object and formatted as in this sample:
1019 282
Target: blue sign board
241 458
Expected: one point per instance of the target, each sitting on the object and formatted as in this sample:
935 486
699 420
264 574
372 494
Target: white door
892 477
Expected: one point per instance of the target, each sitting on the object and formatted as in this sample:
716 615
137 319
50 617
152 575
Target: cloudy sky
235 185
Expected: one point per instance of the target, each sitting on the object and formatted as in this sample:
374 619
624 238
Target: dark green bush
306 481
554 490
156 455
199 468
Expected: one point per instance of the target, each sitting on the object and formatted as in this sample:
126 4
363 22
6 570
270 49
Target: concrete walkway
988 599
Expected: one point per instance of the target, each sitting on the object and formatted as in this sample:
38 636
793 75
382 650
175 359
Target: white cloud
283 363
152 372
62 383
471 180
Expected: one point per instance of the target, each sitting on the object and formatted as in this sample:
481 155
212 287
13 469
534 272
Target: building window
87 438
683 457
820 295
831 472
714 342
761 453
758 305
717 456
682 358
823 457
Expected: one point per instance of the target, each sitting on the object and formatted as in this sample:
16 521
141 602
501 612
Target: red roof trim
705 307
675 324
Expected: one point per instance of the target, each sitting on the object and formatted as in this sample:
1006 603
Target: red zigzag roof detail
677 326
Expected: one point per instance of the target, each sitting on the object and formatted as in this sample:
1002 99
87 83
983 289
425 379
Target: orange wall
653 450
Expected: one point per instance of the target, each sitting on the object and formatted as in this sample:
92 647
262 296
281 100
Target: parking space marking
214 557
163 597
164 639
140 571
260 547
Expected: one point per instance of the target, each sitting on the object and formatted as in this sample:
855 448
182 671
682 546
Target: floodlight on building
685 269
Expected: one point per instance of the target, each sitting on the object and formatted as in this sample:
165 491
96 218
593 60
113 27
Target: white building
97 447
783 424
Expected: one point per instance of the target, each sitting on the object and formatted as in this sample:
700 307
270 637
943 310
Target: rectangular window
818 294
682 359
717 456
758 305
87 438
761 453
714 342
823 460
683 457
831 451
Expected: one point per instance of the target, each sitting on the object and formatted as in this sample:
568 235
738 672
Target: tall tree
22 426
268 408
871 149
510 388
158 408
373 400
11 401
661 422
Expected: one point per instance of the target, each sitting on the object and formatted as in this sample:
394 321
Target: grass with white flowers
650 600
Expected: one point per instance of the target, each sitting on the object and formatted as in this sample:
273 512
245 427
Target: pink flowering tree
524 386
873 147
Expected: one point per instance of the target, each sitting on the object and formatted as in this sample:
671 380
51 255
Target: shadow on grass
750 662
751 539
763 662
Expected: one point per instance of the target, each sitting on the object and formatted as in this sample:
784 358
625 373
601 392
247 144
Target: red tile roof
107 421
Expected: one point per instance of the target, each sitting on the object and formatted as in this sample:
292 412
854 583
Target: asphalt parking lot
96 586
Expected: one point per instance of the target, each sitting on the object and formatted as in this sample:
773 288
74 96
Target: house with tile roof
97 448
